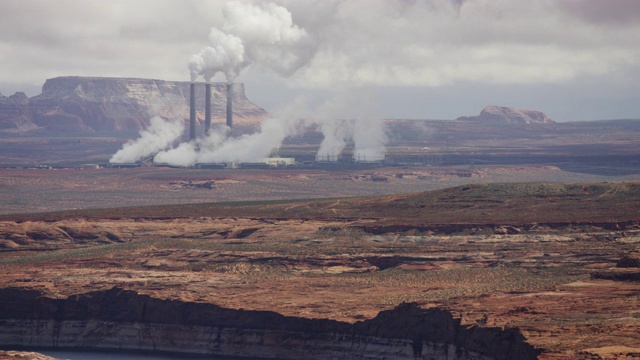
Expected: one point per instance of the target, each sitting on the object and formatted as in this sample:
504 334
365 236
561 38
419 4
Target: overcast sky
430 59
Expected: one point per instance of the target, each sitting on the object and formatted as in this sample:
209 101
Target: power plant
229 54
192 111
230 106
207 109
197 152
157 144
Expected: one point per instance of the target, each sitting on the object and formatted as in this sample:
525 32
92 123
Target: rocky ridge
509 115
122 319
95 104
15 113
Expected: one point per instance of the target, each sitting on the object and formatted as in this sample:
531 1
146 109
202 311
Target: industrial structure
230 106
321 161
207 109
192 111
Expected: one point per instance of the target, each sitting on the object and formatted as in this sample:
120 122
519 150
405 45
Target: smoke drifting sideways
366 133
264 36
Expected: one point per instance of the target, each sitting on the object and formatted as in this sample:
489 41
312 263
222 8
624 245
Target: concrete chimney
207 109
230 106
192 111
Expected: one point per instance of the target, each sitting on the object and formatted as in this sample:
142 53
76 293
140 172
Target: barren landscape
558 261
529 242
498 236
320 180
34 190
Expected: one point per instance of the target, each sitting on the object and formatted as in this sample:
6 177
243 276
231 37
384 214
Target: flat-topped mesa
509 115
75 103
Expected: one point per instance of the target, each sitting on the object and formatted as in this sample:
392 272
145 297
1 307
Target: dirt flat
33 190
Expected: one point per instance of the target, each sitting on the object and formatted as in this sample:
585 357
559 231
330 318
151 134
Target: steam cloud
349 117
220 147
365 132
226 55
263 35
160 135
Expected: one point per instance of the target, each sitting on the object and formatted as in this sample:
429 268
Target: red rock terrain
555 261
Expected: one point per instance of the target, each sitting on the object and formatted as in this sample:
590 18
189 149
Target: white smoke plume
361 129
160 135
369 139
220 147
369 135
263 34
226 55
271 38
350 117
337 133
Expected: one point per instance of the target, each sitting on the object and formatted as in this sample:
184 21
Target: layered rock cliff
121 319
509 115
76 103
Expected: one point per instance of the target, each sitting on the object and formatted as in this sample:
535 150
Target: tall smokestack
207 109
230 105
192 111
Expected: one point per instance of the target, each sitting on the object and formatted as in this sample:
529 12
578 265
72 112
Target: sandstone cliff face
118 104
509 115
120 319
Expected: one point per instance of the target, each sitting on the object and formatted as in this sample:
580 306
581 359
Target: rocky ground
571 287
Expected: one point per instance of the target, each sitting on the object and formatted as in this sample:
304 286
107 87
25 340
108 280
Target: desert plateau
320 180
558 262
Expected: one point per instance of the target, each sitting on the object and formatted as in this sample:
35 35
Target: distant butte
509 115
94 104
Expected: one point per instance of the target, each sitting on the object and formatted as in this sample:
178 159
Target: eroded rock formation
15 113
630 260
121 319
76 103
509 115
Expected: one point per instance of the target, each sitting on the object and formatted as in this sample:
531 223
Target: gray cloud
408 44
610 13
432 43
